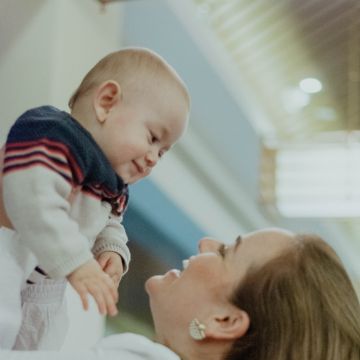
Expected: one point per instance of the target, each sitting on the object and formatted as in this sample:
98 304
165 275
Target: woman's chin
151 283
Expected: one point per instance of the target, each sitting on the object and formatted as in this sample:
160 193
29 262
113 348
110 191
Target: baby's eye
154 138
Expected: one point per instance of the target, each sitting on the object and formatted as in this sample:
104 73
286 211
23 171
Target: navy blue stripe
41 271
9 158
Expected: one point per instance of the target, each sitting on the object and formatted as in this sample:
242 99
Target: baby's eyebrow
164 132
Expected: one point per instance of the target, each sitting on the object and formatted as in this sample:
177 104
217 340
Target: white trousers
28 312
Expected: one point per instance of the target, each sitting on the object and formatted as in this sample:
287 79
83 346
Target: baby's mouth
138 167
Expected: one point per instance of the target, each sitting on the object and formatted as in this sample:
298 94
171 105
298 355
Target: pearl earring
197 330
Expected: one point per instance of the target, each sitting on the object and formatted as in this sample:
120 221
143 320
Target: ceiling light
310 85
307 181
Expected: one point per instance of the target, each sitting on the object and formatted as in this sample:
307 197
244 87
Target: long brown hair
302 306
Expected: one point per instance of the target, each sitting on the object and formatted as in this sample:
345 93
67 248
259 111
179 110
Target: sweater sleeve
37 179
113 238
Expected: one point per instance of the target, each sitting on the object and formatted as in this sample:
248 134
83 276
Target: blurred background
275 119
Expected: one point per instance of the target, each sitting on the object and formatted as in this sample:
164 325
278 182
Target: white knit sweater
59 192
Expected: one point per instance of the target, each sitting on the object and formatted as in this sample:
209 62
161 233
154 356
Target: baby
66 177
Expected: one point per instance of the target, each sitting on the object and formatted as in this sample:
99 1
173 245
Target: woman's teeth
185 264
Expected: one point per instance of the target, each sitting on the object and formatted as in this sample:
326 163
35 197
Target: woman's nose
208 245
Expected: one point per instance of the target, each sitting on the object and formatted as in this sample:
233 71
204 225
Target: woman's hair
130 67
302 306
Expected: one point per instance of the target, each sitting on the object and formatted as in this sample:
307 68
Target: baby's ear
106 96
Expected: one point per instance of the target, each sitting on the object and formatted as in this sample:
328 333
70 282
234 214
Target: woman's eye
222 250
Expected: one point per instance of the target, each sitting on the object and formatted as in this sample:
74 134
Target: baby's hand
112 264
89 278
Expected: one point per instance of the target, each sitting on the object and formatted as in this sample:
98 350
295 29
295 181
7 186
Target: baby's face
137 134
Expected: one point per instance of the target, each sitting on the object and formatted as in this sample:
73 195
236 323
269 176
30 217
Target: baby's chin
130 180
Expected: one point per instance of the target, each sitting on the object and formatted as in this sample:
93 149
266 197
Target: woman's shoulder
135 347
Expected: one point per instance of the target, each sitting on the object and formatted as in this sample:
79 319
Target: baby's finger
111 297
83 293
116 279
114 291
109 283
112 309
99 297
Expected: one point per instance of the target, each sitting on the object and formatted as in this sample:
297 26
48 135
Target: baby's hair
128 67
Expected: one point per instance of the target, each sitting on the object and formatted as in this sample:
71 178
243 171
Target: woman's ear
228 325
106 96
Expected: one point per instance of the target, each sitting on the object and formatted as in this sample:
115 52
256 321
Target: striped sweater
60 192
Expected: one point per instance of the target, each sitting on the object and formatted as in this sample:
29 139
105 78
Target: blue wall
214 112
156 223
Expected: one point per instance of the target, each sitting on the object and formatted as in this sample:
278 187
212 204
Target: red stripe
30 158
63 148
90 193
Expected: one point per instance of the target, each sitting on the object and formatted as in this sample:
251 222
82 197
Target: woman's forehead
270 233
261 246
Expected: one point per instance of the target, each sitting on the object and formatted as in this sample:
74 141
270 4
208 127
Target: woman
270 295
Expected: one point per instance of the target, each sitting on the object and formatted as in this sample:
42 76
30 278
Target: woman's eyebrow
237 242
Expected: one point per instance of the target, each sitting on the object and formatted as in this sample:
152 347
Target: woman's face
210 277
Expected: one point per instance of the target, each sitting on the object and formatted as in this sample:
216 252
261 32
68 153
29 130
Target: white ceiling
275 44
234 106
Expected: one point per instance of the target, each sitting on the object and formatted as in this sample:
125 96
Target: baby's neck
79 116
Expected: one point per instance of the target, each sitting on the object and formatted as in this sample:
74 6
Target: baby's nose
151 158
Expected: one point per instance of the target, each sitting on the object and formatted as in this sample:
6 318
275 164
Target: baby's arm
36 202
111 251
53 236
89 278
38 176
